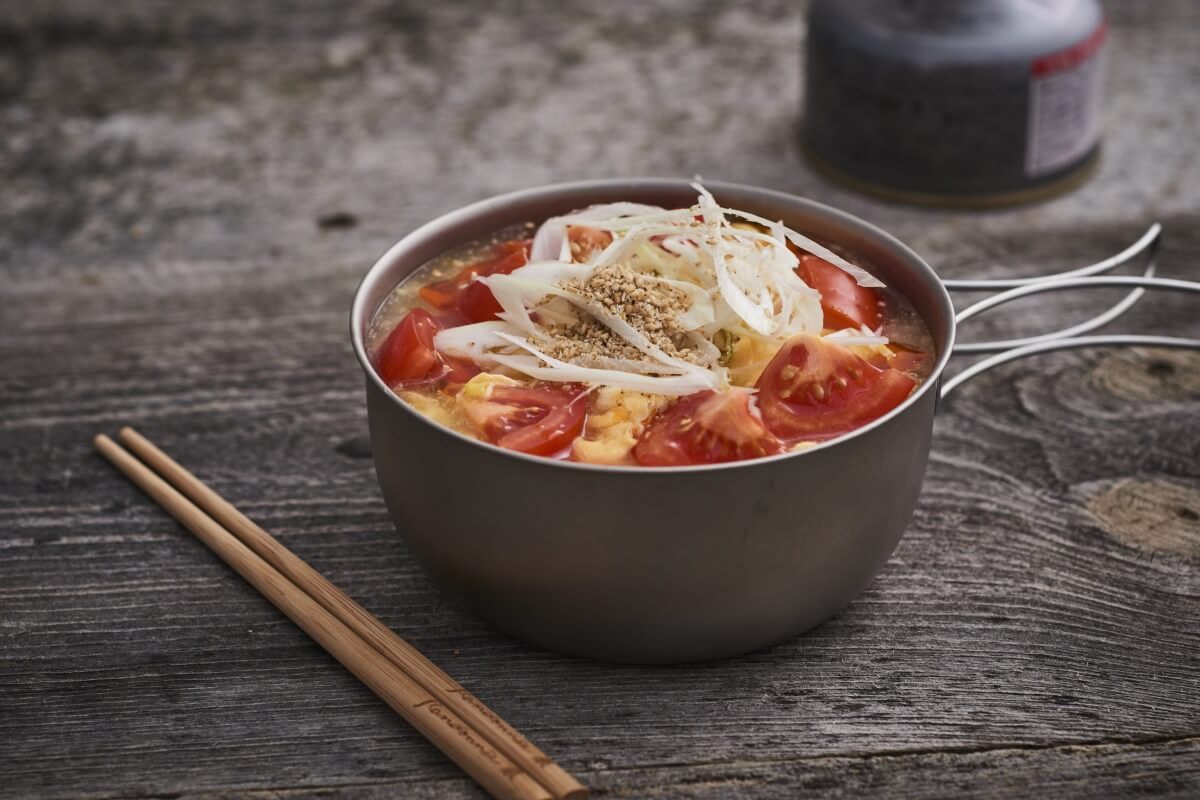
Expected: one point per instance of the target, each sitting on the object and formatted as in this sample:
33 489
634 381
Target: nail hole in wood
1161 369
338 220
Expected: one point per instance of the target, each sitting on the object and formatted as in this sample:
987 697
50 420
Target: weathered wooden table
188 196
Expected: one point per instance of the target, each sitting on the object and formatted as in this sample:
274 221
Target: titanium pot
668 565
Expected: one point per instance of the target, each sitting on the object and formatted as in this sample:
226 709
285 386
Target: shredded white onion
859 274
739 282
850 337
471 341
550 241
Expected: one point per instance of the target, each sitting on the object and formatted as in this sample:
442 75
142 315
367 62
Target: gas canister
962 102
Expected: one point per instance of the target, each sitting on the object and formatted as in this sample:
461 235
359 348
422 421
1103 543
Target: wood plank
1157 769
166 176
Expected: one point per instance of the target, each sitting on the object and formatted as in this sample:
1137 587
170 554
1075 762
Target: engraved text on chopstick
435 708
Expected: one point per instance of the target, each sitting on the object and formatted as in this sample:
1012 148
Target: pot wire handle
1148 243
1115 340
1057 342
1172 284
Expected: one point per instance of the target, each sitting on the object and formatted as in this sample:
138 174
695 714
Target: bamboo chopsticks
501 760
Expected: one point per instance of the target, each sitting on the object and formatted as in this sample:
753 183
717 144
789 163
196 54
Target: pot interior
887 257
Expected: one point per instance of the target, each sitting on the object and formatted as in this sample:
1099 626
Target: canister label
1064 105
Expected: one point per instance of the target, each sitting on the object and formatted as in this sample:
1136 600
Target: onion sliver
549 243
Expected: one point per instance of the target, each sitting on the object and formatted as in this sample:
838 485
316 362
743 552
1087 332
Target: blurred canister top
965 102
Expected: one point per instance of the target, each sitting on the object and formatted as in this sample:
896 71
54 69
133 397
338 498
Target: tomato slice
705 428
814 390
542 419
476 301
458 371
441 294
584 241
407 356
845 303
480 306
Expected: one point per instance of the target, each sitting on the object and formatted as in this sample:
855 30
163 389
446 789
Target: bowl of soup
650 420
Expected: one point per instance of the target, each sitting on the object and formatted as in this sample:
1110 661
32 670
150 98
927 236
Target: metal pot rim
360 315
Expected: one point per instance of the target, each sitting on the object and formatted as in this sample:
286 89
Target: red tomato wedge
441 294
458 372
407 355
845 303
814 390
542 419
584 240
408 358
476 301
472 300
705 428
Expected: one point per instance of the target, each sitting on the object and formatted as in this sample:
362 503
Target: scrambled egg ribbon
617 419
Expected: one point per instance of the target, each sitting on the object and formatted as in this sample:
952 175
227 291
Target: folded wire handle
1148 242
1068 338
1071 343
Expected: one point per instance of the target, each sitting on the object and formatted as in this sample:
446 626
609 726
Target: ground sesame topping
647 303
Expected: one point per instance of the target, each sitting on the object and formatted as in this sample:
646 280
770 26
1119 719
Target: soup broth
625 335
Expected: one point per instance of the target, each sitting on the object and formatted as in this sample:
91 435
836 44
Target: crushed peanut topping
647 303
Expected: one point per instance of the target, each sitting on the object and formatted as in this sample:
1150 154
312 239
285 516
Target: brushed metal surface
652 565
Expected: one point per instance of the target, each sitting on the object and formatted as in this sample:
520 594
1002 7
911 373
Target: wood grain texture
188 197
